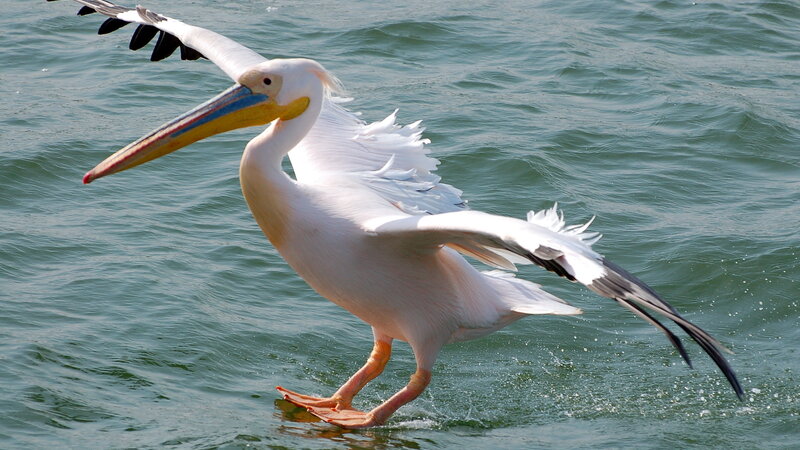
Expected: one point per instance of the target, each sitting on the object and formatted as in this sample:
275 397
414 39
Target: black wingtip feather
626 277
708 345
110 25
673 339
550 265
619 284
165 46
142 36
188 53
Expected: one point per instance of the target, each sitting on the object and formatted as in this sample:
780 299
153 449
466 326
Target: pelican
366 222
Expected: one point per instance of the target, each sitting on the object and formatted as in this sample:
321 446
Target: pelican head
279 89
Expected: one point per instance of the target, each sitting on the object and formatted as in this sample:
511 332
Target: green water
147 309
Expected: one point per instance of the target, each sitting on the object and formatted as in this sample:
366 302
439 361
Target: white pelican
367 224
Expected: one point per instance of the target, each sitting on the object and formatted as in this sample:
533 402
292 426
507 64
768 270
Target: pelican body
367 224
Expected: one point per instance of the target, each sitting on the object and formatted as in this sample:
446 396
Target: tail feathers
524 297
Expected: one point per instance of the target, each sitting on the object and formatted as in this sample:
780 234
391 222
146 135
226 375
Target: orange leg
343 397
352 418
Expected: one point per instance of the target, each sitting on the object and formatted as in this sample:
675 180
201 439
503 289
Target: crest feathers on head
329 81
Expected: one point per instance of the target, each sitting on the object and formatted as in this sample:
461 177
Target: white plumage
383 156
369 225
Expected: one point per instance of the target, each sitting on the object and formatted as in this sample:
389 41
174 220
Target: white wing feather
502 241
383 156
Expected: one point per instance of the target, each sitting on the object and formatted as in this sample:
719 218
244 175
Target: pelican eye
267 81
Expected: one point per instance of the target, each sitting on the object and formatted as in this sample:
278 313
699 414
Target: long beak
237 107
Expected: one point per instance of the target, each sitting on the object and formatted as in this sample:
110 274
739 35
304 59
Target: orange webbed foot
330 410
307 401
345 418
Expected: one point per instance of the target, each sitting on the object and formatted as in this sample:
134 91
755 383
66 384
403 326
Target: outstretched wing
384 157
545 240
195 42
